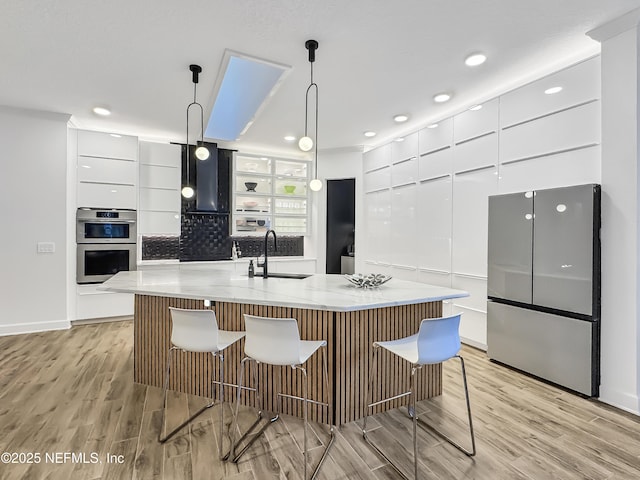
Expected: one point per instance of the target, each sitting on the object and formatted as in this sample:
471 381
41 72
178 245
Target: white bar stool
276 341
197 331
437 340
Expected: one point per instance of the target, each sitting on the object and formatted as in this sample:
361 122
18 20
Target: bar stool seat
437 341
197 331
276 341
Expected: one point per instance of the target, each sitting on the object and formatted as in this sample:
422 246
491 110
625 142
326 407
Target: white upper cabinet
405 171
159 193
477 153
482 120
406 149
161 154
107 145
106 170
376 158
436 136
579 84
569 129
377 179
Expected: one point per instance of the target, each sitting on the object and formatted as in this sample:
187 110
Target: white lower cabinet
95 304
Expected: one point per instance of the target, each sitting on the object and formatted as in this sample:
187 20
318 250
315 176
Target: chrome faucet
265 272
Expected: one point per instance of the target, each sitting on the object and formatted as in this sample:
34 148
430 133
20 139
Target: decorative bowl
370 280
289 188
261 222
251 186
250 204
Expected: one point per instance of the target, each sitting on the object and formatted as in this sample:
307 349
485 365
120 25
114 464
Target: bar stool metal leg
232 455
164 439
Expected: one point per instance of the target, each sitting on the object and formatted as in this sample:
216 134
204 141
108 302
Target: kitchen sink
299 276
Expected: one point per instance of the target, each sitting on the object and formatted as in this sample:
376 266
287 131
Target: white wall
334 166
620 336
33 195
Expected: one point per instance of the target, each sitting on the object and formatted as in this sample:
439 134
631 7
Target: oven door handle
100 220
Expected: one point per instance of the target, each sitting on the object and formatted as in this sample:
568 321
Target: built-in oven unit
106 243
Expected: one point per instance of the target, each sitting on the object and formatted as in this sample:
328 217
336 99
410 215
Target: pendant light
306 143
201 152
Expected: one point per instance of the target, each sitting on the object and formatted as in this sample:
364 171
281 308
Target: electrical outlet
46 247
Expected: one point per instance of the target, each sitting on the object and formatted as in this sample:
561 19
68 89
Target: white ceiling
376 58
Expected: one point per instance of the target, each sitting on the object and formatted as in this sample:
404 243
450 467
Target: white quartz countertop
318 292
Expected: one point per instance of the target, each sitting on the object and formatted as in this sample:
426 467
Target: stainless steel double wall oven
106 241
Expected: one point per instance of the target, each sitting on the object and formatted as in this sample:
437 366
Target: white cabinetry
159 193
106 175
426 199
106 170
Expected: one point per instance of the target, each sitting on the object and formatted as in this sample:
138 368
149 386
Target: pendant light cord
306 117
195 86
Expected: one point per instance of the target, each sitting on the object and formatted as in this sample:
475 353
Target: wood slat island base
349 335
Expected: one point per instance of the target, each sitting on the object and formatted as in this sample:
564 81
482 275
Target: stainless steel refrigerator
543 289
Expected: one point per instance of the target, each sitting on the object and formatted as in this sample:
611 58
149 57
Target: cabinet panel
434 224
431 139
575 167
404 172
476 153
376 158
159 200
442 279
164 154
166 223
98 195
577 127
107 145
473 326
477 288
408 148
580 83
378 218
470 220
435 164
153 176
474 123
404 227
106 170
103 305
402 272
377 179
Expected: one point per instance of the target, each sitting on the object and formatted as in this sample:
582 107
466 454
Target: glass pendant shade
305 144
188 191
202 153
315 185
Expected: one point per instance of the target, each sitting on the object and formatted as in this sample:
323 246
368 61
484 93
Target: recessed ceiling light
475 59
475 107
103 111
441 97
290 138
369 133
399 139
433 125
552 90
115 135
400 118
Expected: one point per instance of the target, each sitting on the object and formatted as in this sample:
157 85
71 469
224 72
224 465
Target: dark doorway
341 221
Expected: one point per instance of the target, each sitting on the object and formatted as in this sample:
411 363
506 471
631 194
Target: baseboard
33 327
473 343
623 401
89 321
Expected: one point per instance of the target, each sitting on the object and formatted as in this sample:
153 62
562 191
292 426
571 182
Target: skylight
243 86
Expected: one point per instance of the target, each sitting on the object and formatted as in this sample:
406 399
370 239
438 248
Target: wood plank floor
72 392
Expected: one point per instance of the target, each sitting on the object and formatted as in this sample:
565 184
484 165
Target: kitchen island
327 307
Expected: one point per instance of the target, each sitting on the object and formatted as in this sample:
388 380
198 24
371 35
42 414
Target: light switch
46 247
